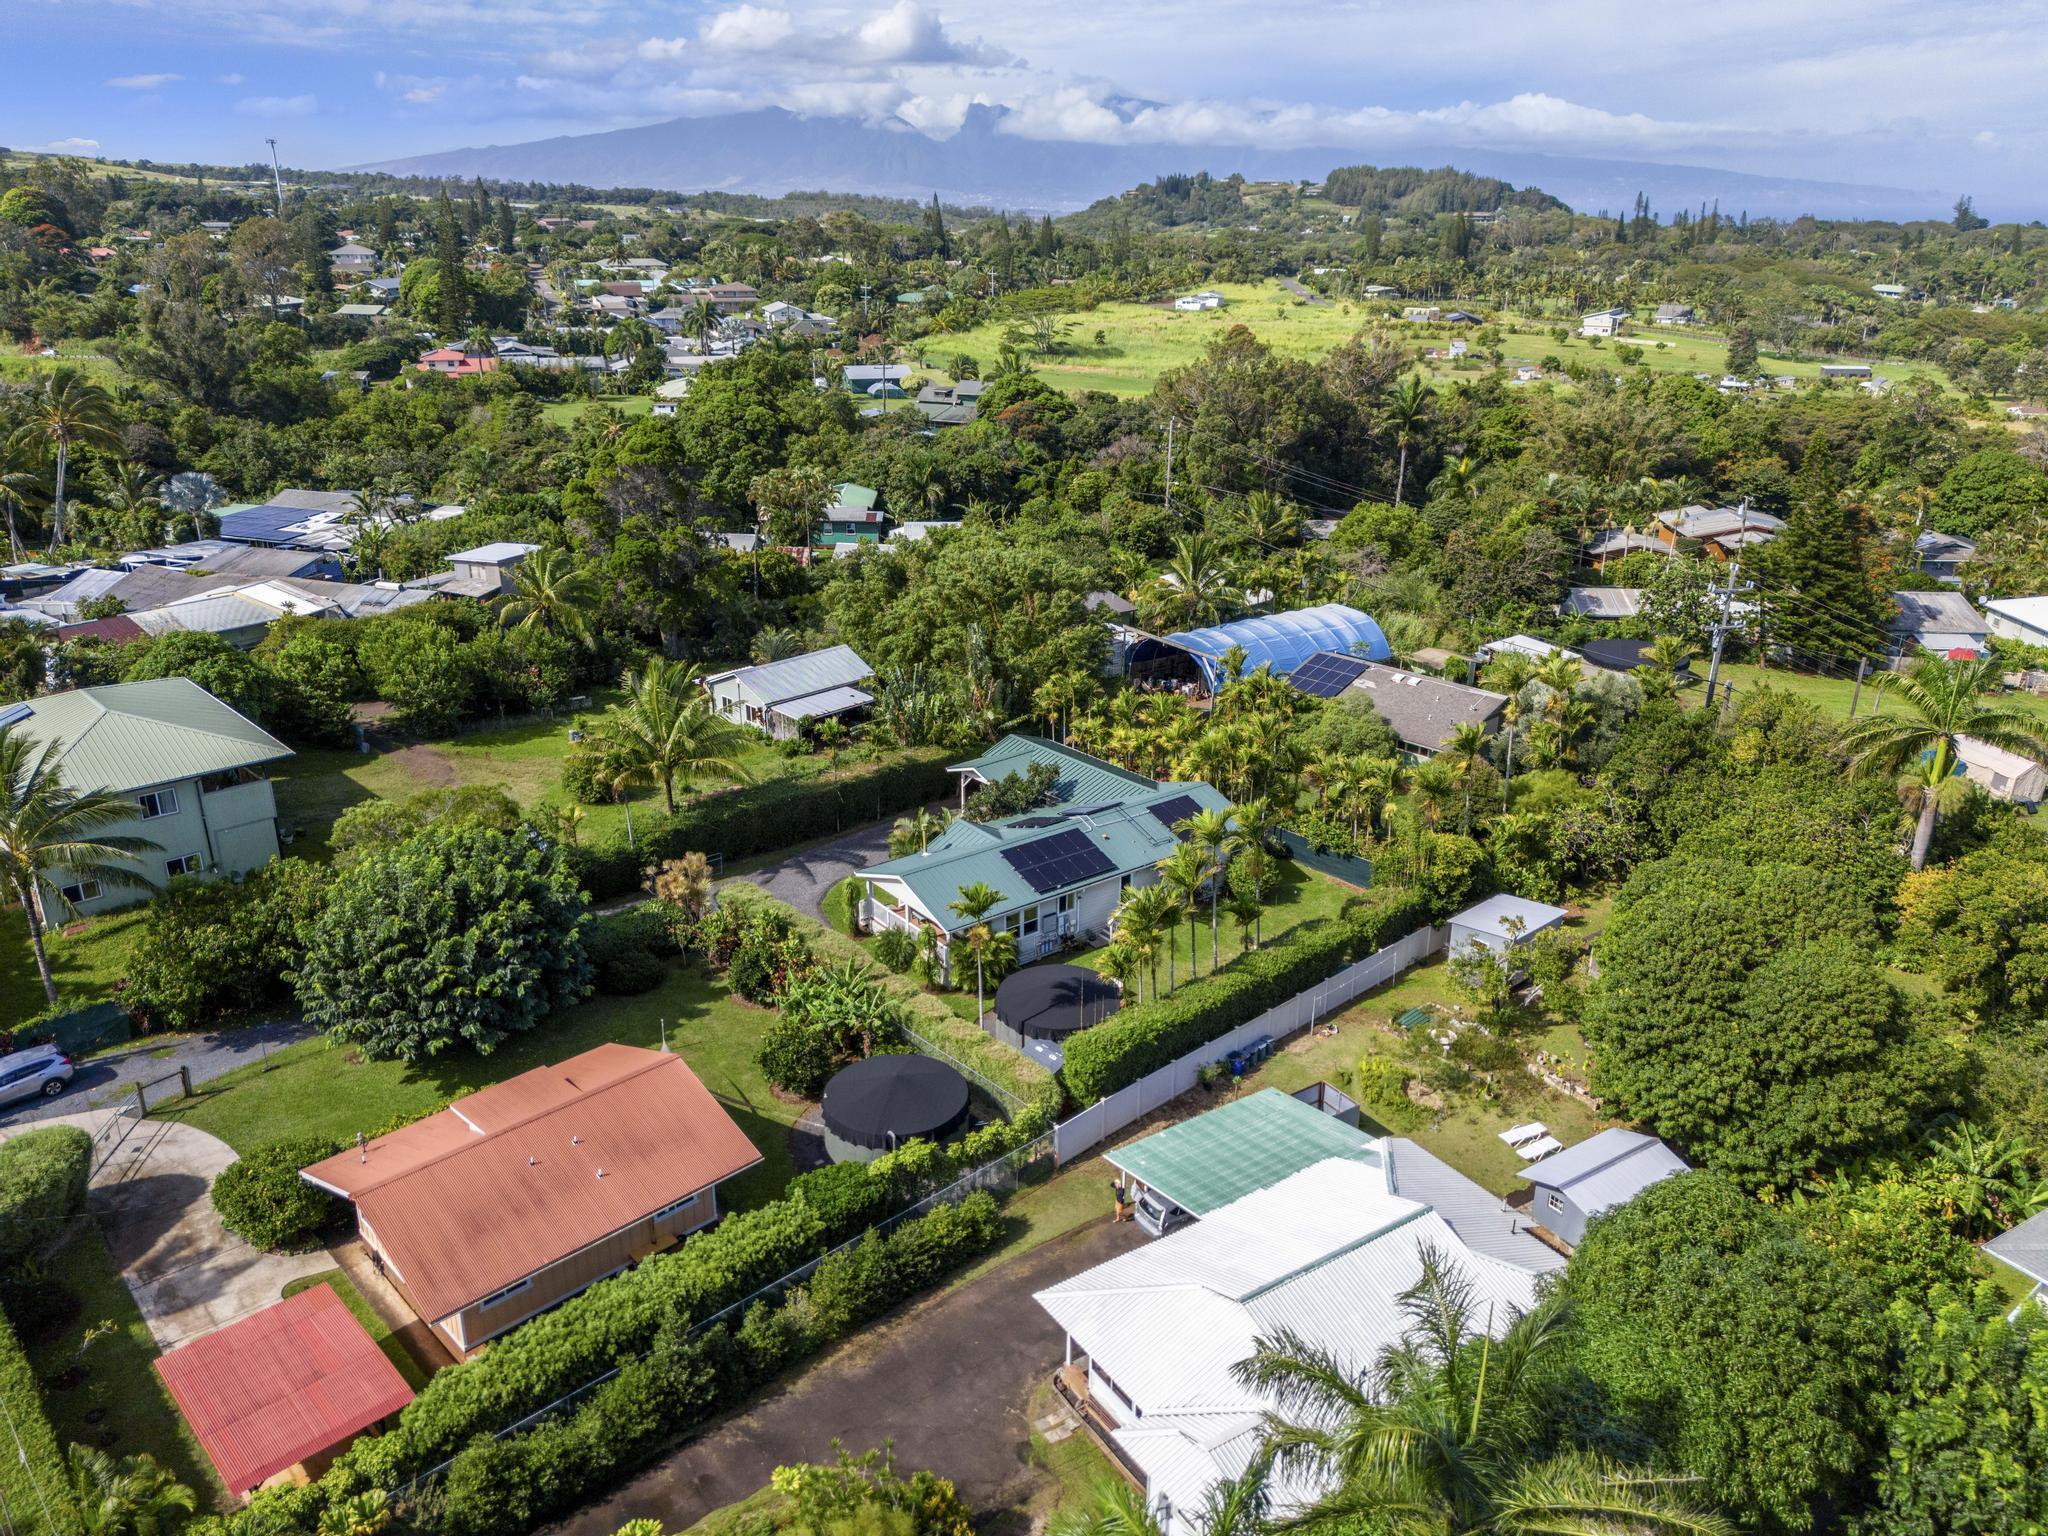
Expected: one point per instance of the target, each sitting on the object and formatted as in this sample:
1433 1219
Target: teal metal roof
1235 1150
860 497
1114 813
1083 780
132 735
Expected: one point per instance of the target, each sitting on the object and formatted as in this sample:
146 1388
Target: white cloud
143 82
65 147
278 106
662 49
747 29
228 79
908 33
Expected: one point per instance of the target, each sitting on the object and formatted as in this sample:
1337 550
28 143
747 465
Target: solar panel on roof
1327 674
1178 809
1063 859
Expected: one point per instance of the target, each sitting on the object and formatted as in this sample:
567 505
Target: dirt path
947 1381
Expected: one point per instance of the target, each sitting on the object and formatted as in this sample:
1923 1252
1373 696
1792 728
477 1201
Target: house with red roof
457 360
518 1196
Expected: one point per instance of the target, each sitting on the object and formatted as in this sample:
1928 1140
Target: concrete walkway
948 1381
189 1275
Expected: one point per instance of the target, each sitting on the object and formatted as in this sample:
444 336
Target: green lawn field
564 413
1831 695
85 964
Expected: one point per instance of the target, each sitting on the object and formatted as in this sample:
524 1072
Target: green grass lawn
121 1385
564 413
1302 896
1141 341
85 964
315 787
1831 695
316 1088
1464 1133
359 1308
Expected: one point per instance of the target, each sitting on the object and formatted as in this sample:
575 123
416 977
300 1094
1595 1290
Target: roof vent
532 1161
600 1173
575 1141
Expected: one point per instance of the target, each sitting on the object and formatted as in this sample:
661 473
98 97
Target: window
188 865
158 802
85 890
1029 921
1067 902
675 1205
506 1294
1557 1202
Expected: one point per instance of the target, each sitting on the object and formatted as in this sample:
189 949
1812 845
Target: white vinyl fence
1107 1116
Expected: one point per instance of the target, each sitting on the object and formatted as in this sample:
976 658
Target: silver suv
1159 1215
35 1070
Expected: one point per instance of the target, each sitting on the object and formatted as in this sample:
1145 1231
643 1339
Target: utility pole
276 176
1727 604
1862 667
1169 463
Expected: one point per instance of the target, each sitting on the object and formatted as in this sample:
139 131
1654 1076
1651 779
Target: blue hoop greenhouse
1282 641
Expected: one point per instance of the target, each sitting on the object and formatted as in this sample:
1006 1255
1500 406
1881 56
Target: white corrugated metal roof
828 701
1493 914
1606 1170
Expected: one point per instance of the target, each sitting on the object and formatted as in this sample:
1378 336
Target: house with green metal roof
191 765
1059 870
853 517
1239 1148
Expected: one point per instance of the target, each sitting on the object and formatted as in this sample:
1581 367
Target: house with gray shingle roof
188 762
1059 871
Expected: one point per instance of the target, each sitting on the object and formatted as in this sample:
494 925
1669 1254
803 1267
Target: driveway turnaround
802 879
111 1079
948 1381
189 1275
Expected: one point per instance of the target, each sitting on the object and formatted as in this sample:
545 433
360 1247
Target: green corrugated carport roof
1244 1146
125 736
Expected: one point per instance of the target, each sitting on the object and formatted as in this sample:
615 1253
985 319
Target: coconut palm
1443 1434
70 411
549 591
1466 747
772 644
21 487
702 319
1406 407
1943 701
1212 832
1195 583
1235 1507
45 827
666 730
132 1497
974 903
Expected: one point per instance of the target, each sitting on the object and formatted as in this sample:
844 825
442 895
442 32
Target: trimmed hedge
34 1476
1147 1036
629 951
761 818
43 1175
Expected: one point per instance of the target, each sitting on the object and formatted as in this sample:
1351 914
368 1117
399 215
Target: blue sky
1941 96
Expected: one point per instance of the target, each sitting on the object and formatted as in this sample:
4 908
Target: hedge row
1147 1036
32 1475
43 1176
761 818
622 1317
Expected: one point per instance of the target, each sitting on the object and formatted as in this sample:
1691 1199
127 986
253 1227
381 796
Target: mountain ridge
770 151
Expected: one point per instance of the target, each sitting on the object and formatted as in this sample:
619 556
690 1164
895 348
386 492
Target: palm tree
130 487
702 320
1443 1434
1466 746
913 834
1147 918
1212 832
550 592
1405 409
46 827
974 903
1195 579
667 730
1235 1507
1257 819
772 644
1182 875
21 486
1944 701
69 412
132 1497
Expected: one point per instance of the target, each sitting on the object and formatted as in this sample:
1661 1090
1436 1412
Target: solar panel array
1327 674
1056 862
1178 809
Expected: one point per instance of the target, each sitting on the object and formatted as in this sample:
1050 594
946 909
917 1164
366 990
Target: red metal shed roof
281 1385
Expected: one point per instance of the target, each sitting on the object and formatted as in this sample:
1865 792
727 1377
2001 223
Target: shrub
1382 1079
43 1176
847 1198
896 949
795 1057
216 947
32 1472
33 1302
262 1199
1147 1036
581 778
628 949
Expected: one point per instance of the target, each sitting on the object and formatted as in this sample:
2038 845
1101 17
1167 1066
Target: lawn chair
1539 1149
1521 1135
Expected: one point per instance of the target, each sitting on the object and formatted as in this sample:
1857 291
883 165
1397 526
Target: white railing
1107 1116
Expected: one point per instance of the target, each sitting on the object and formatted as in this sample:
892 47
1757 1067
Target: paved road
111 1079
948 1381
1300 292
803 878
